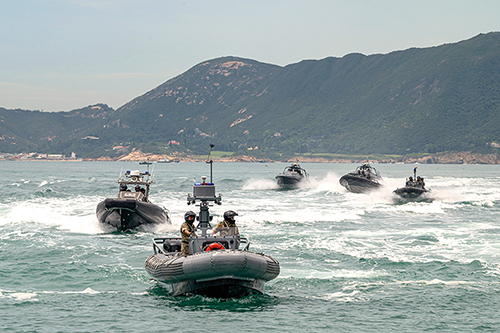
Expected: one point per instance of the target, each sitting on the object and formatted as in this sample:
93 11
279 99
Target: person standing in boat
419 182
187 228
228 226
410 181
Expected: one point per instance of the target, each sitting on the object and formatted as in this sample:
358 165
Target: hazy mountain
444 98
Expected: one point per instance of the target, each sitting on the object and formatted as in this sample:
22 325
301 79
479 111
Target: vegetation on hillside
444 98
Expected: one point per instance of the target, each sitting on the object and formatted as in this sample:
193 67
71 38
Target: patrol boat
291 176
132 209
217 266
364 179
414 189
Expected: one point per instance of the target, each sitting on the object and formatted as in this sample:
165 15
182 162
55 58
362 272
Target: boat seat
172 245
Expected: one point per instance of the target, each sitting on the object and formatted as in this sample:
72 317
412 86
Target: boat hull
289 181
229 287
412 193
224 274
357 184
125 214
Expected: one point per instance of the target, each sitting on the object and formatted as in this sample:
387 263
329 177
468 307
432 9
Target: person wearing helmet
228 226
123 187
187 228
409 182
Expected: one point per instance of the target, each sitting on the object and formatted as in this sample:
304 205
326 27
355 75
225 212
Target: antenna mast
210 161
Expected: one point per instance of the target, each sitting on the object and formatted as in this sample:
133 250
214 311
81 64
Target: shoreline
442 158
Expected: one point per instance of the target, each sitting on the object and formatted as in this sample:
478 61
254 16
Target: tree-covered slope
417 100
443 98
53 132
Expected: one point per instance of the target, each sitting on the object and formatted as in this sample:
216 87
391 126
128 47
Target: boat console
203 195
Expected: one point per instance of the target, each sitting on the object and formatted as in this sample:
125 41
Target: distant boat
291 176
145 163
132 209
364 179
414 189
177 160
164 160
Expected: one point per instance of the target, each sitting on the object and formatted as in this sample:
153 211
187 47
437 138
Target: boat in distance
414 189
131 209
291 176
219 266
364 179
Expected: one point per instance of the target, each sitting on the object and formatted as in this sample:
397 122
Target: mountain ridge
419 100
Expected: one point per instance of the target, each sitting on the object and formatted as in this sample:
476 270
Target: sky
61 55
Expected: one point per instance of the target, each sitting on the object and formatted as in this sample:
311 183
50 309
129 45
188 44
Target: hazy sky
60 55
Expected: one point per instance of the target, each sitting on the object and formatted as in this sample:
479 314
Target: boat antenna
151 174
414 173
209 161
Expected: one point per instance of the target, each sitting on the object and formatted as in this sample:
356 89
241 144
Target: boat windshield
367 169
135 182
295 169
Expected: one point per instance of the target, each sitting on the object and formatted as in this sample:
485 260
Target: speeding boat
414 189
364 179
132 209
291 176
217 266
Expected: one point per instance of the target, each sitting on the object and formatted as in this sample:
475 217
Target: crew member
228 226
187 228
419 182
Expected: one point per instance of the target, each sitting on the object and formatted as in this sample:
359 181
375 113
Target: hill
429 100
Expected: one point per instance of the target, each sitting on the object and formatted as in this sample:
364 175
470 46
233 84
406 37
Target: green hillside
444 98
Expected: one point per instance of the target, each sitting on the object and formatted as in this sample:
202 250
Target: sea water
349 262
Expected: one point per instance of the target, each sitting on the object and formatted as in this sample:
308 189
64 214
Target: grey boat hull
224 274
218 288
411 193
125 214
288 181
356 184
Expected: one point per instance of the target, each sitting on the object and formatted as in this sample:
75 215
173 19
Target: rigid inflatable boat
131 209
291 176
414 189
217 266
364 179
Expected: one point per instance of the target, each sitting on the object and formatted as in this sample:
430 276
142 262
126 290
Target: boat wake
260 184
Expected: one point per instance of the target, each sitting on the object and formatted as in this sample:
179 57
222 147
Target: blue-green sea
349 262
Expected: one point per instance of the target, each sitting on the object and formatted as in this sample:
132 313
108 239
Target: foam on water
260 184
19 297
346 259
